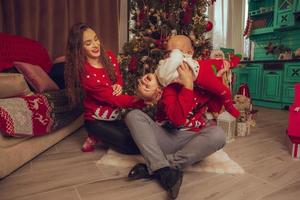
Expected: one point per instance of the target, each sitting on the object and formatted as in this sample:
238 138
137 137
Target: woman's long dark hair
75 58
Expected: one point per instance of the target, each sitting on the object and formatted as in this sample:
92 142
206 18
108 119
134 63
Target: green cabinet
271 83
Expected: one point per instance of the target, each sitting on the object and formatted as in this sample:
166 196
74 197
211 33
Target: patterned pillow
36 77
13 85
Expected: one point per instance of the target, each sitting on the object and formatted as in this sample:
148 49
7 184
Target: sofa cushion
36 77
6 142
18 48
12 85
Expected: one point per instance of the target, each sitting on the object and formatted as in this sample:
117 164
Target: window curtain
228 17
48 21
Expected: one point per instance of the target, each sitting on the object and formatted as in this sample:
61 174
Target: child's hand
226 65
117 89
186 76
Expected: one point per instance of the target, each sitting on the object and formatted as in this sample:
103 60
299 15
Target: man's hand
186 76
117 89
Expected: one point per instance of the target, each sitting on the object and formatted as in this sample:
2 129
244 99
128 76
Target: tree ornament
133 64
137 25
135 49
209 26
146 66
184 4
144 58
148 31
197 19
197 43
152 45
202 10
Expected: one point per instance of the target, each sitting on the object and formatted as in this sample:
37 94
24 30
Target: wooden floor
65 173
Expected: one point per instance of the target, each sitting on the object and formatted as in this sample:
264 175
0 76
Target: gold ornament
152 45
197 43
148 31
196 19
135 49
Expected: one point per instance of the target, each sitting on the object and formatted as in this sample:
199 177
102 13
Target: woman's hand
186 76
117 89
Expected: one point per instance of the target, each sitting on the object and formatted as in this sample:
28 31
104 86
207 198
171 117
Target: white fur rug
218 162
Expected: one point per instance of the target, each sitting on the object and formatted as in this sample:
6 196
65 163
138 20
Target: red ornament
133 64
209 26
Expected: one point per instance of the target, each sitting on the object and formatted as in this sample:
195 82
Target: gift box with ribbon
294 114
293 144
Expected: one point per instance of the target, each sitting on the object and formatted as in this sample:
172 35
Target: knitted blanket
36 115
28 115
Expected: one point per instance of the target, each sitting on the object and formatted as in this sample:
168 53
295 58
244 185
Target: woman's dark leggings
113 133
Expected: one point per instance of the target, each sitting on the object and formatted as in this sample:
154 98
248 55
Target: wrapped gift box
294 121
293 144
242 128
228 124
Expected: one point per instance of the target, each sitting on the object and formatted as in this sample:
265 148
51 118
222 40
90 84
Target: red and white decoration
248 28
25 116
294 146
293 130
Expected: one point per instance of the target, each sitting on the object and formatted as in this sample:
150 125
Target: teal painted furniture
271 83
276 22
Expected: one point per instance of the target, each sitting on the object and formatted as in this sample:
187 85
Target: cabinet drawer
288 93
292 72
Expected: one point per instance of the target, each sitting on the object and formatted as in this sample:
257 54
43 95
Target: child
204 77
224 73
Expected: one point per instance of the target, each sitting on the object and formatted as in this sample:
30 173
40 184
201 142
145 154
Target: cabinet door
250 74
292 72
240 75
288 93
284 13
271 85
254 79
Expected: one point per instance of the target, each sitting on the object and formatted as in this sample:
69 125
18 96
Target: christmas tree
152 23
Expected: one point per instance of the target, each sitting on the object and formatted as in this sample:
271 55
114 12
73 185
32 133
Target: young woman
91 69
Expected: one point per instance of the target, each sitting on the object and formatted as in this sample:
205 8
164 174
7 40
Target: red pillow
17 48
36 77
